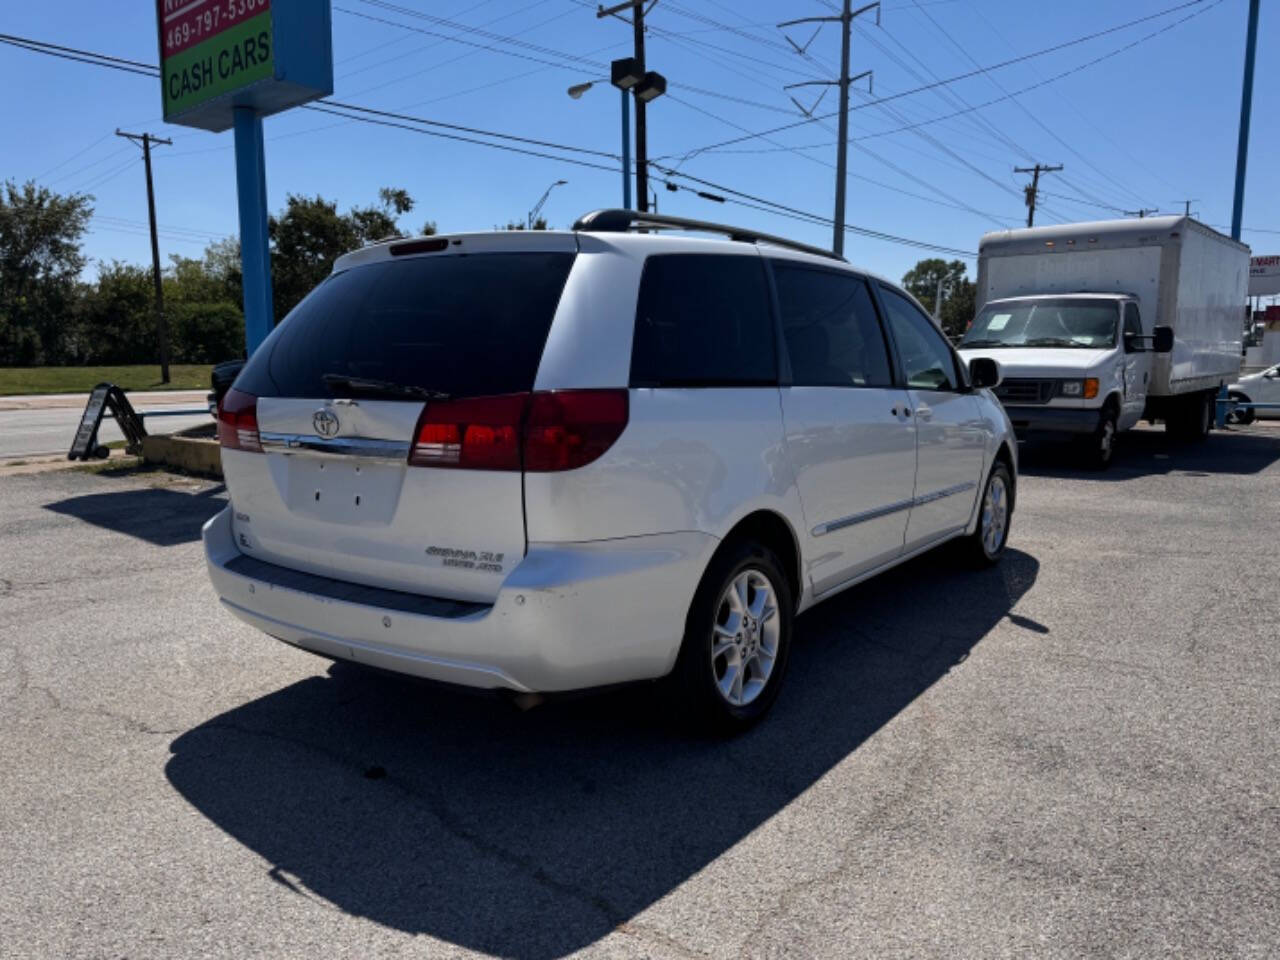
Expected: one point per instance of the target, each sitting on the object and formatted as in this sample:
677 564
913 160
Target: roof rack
621 221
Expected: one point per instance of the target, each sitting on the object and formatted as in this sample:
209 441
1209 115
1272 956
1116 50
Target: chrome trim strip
946 492
336 446
878 512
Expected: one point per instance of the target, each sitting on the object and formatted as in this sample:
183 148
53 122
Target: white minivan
545 461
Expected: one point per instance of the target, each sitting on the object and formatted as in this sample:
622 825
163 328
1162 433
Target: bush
205 332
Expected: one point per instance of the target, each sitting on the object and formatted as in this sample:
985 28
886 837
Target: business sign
217 55
1264 276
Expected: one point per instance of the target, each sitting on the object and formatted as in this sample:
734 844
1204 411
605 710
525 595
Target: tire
985 546
1192 418
1100 448
1242 417
704 690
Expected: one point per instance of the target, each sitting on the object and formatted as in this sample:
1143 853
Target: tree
310 234
539 224
958 293
40 261
114 319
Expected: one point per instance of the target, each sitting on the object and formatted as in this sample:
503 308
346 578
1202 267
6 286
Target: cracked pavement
1076 753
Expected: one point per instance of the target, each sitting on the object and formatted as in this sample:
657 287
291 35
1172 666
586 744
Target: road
1074 754
34 426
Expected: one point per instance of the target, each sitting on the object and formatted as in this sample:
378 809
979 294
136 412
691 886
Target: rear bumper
1028 421
569 616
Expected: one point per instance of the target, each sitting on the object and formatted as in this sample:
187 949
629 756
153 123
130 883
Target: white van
540 461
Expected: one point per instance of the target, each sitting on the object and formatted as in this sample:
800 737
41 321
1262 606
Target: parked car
1261 387
541 461
1100 325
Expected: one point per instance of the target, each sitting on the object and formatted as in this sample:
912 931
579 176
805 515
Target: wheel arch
773 530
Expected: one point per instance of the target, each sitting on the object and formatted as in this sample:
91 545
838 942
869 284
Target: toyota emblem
325 423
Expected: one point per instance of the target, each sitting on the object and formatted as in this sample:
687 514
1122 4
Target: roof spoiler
622 221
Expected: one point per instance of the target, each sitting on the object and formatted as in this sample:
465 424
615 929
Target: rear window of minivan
466 325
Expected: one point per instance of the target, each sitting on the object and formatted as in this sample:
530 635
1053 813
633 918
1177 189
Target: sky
1151 123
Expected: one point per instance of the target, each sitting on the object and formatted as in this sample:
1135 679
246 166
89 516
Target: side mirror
1132 343
1163 340
984 373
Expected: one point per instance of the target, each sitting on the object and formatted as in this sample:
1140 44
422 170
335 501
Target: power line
997 66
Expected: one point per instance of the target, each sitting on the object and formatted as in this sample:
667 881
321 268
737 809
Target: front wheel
995 512
737 640
1101 445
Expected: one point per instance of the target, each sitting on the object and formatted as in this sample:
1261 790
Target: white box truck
1096 326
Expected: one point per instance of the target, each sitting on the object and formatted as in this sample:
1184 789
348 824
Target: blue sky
1149 126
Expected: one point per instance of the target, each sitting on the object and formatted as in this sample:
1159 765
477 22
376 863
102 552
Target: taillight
478 433
538 432
568 429
238 422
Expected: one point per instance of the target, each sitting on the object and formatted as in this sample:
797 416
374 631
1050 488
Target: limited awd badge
325 423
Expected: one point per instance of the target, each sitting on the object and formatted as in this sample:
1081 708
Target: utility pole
1246 110
644 84
1140 214
937 300
845 19
1033 188
162 326
1187 204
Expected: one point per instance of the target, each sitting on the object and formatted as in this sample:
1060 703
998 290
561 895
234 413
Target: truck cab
1075 364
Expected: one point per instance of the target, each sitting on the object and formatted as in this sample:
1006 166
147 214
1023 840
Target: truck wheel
737 641
1200 417
1242 417
1100 447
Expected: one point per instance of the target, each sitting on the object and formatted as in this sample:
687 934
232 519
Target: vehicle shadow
158 515
1148 451
536 834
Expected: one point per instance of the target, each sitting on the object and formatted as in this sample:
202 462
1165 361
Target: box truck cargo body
1098 325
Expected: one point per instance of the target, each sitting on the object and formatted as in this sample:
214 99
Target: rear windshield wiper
381 388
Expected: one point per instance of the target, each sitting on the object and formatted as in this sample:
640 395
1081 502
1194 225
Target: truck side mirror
1163 340
984 373
1132 343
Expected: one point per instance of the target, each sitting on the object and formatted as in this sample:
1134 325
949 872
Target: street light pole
537 207
626 149
575 92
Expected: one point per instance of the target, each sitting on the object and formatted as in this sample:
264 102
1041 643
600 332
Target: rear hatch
362 398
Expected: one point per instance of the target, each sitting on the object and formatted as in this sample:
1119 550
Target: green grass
30 380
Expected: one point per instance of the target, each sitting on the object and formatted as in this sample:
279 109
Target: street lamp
537 207
576 91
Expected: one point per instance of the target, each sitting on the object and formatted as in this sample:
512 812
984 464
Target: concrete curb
200 455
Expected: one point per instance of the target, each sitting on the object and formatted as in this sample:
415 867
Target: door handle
924 412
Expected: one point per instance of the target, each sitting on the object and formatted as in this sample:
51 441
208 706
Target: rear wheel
737 640
1192 419
1242 417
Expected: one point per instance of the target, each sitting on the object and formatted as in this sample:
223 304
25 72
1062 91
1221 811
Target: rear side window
830 326
703 320
467 325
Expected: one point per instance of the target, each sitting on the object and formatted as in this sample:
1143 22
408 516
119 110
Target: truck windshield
1071 322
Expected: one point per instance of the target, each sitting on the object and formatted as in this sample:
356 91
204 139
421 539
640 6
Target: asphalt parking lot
1076 753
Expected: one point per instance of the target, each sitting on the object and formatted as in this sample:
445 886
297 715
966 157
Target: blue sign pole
626 150
1246 108
255 251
